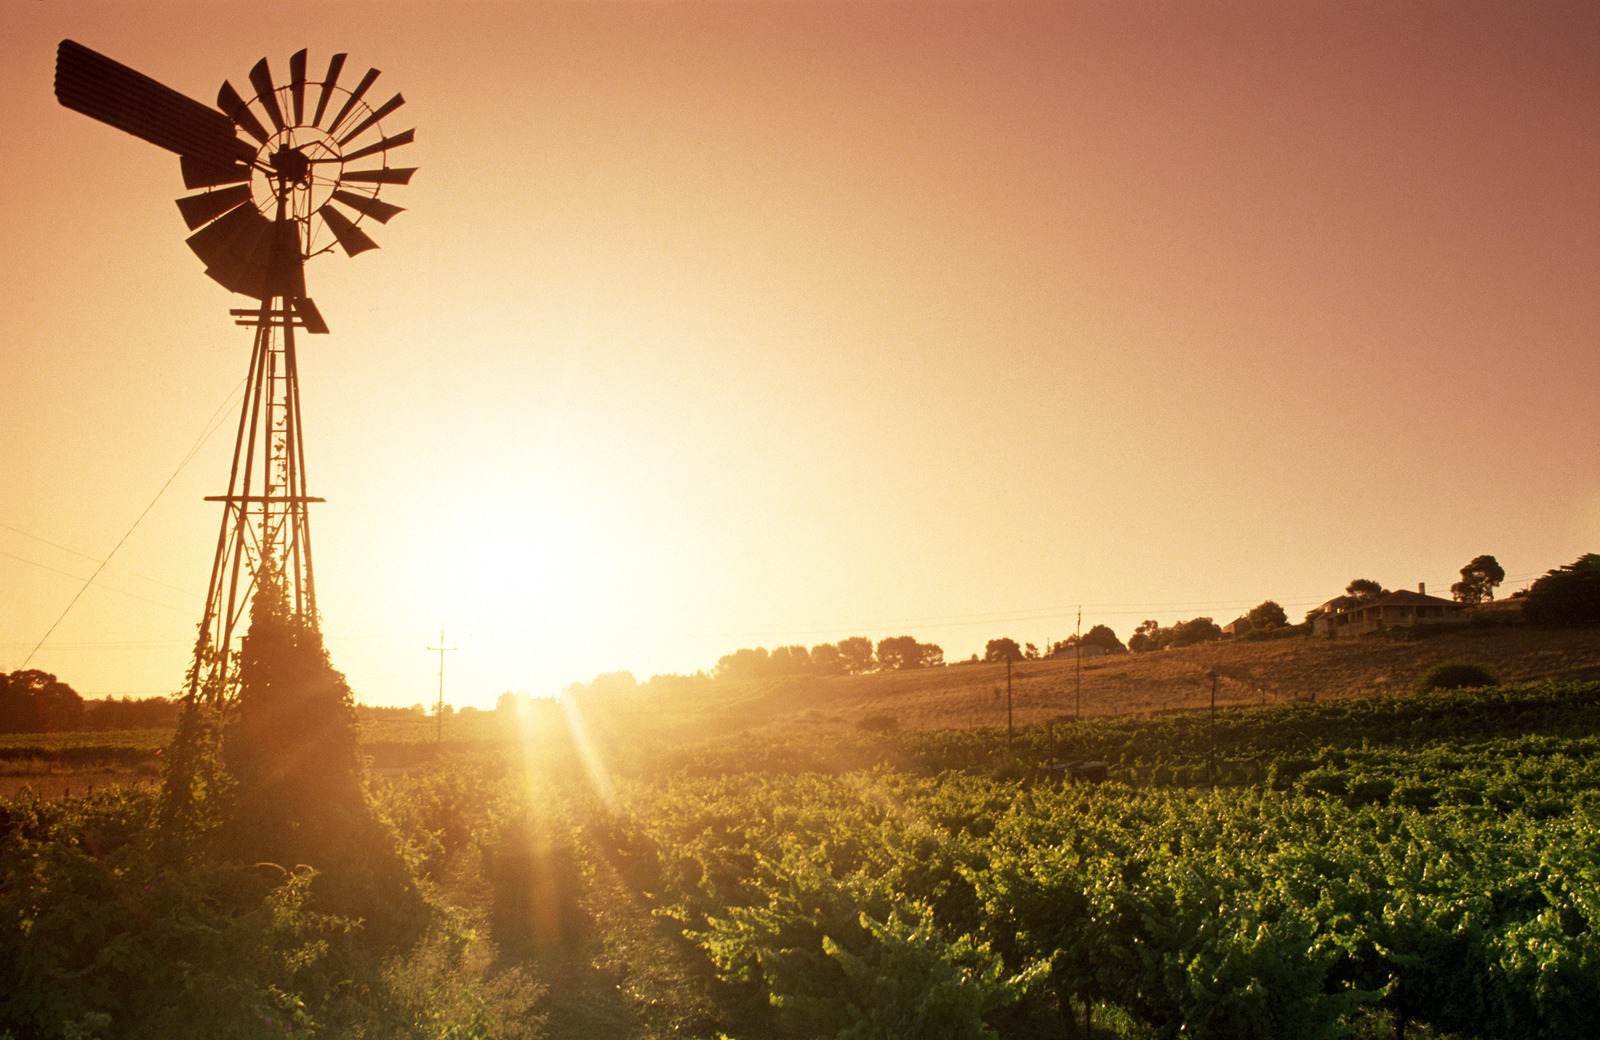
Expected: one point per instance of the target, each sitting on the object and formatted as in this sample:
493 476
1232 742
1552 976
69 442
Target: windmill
303 179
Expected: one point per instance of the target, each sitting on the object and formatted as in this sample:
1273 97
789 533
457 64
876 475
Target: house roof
1405 598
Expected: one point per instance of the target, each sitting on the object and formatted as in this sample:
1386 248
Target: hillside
973 695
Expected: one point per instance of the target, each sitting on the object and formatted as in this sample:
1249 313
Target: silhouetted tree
1267 615
1001 650
613 684
744 663
827 660
1101 635
857 654
899 653
1478 580
1188 633
130 713
1144 637
37 702
1569 595
790 660
1365 588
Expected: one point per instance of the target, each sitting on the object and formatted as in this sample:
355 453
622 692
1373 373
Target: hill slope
973 695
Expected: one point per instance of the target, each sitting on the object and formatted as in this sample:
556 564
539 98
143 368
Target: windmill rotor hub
301 162
291 165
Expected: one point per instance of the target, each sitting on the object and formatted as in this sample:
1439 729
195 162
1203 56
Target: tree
1267 616
1478 580
613 684
1001 650
1569 595
37 702
1144 637
791 660
1365 588
1187 633
900 653
743 663
131 713
857 654
827 660
1102 636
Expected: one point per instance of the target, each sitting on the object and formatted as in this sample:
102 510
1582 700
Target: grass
964 696
960 696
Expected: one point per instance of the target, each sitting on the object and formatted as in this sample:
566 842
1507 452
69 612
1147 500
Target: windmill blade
297 84
203 208
236 231
198 173
262 261
382 146
261 79
365 204
328 83
352 238
309 315
91 83
230 102
382 110
355 96
387 175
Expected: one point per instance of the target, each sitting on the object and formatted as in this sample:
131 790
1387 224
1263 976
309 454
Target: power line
46 541
93 559
90 579
205 434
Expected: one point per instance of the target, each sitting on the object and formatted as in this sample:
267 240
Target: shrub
1455 675
878 724
1569 595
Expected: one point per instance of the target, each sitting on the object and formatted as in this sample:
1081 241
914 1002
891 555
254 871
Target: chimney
1422 588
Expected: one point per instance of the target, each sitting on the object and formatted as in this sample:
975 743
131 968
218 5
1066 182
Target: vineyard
1401 866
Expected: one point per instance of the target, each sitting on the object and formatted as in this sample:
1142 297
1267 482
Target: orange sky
722 325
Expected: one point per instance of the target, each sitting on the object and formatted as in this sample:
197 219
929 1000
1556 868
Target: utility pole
1008 700
439 711
1078 669
1211 759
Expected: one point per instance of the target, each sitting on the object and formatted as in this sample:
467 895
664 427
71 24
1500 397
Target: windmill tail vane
292 172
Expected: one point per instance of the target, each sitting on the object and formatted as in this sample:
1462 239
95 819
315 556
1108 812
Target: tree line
853 656
34 701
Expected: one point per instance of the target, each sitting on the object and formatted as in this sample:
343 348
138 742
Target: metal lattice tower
265 521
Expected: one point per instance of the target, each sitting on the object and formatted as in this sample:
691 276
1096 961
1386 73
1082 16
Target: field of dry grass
1294 668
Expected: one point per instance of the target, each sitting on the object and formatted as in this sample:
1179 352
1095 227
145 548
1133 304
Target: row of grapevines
1377 867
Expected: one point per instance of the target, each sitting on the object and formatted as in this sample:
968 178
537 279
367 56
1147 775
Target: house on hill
1237 627
1394 610
1081 650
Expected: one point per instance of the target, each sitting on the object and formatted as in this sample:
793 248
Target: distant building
1391 610
1237 627
1082 650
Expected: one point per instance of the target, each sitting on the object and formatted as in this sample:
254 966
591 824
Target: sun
525 590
